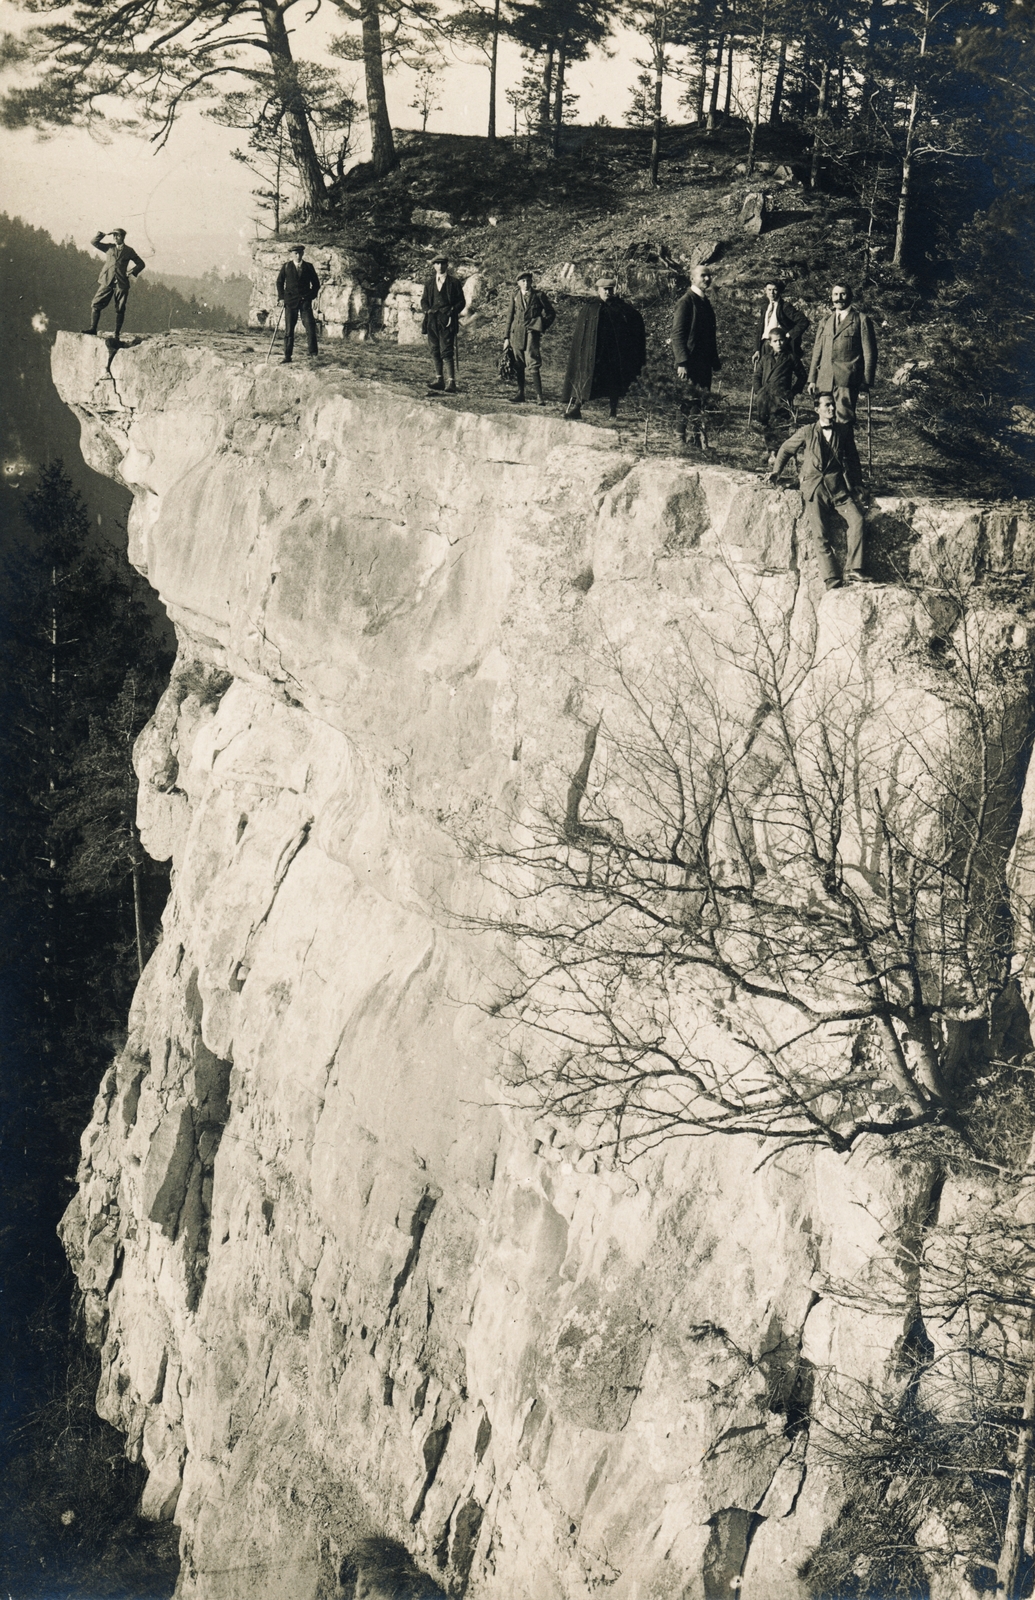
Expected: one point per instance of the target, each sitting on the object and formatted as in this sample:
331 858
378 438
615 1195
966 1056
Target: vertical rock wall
340 1283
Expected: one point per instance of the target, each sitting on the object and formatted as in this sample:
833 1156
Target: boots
537 385
438 382
516 399
450 378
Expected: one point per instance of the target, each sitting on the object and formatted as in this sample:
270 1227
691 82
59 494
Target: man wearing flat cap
608 351
297 288
121 263
530 315
442 302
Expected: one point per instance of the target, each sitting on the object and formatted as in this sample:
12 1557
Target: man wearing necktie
829 481
844 357
297 287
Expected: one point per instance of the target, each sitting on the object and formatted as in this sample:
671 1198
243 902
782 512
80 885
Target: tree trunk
493 57
659 83
702 83
775 111
138 913
546 98
759 68
729 80
558 95
713 99
289 93
821 112
1008 1570
902 222
382 145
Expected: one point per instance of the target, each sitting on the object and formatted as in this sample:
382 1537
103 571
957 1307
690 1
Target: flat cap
607 283
526 272
440 260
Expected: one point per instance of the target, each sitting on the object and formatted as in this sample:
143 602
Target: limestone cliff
340 1282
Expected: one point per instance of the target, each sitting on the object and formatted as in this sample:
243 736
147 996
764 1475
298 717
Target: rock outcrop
342 1283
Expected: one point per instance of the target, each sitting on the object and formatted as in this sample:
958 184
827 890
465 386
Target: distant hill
48 286
229 294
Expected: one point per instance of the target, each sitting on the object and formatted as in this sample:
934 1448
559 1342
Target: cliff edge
343 1279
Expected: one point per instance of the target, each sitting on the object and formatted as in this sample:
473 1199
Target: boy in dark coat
297 288
530 315
829 480
608 351
442 302
780 377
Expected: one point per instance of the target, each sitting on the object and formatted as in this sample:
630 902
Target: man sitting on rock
608 351
297 287
530 315
121 263
829 480
442 302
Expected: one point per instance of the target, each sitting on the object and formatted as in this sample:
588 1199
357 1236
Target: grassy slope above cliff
957 427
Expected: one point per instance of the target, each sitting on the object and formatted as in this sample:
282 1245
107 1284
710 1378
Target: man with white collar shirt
829 481
442 302
695 347
844 356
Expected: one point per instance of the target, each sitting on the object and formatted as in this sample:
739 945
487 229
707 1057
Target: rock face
341 1284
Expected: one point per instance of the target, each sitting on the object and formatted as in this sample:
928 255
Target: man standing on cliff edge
297 288
121 263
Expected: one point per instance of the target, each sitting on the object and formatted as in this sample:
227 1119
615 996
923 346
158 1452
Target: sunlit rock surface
340 1284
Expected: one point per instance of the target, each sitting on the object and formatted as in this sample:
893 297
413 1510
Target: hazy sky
189 207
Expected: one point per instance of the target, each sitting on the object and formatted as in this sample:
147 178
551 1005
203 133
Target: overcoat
694 341
608 351
535 317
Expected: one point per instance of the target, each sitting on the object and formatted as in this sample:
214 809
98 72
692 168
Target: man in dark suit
779 313
608 351
530 315
442 302
297 288
844 356
121 263
696 349
829 481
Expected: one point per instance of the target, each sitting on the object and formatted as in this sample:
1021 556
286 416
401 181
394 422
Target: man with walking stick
297 288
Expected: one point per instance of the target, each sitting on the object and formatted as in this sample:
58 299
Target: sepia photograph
518 848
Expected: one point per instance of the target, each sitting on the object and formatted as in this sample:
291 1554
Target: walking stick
751 402
869 433
273 341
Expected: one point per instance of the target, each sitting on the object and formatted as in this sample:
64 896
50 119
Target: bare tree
766 907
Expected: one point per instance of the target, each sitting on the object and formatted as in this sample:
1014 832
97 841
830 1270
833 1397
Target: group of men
609 350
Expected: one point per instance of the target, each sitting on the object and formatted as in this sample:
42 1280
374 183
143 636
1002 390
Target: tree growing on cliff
746 918
158 55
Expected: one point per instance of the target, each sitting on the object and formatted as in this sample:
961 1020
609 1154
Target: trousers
441 340
820 513
292 312
106 292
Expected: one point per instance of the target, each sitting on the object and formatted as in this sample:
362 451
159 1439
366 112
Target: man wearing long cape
608 351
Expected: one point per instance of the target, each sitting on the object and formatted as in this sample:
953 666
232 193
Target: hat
298 249
435 260
607 283
121 232
526 272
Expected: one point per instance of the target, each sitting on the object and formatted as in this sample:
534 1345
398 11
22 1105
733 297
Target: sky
188 207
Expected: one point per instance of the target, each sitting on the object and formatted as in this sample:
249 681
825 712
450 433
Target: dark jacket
780 376
789 320
847 358
444 304
834 467
694 342
295 284
608 351
537 315
121 262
